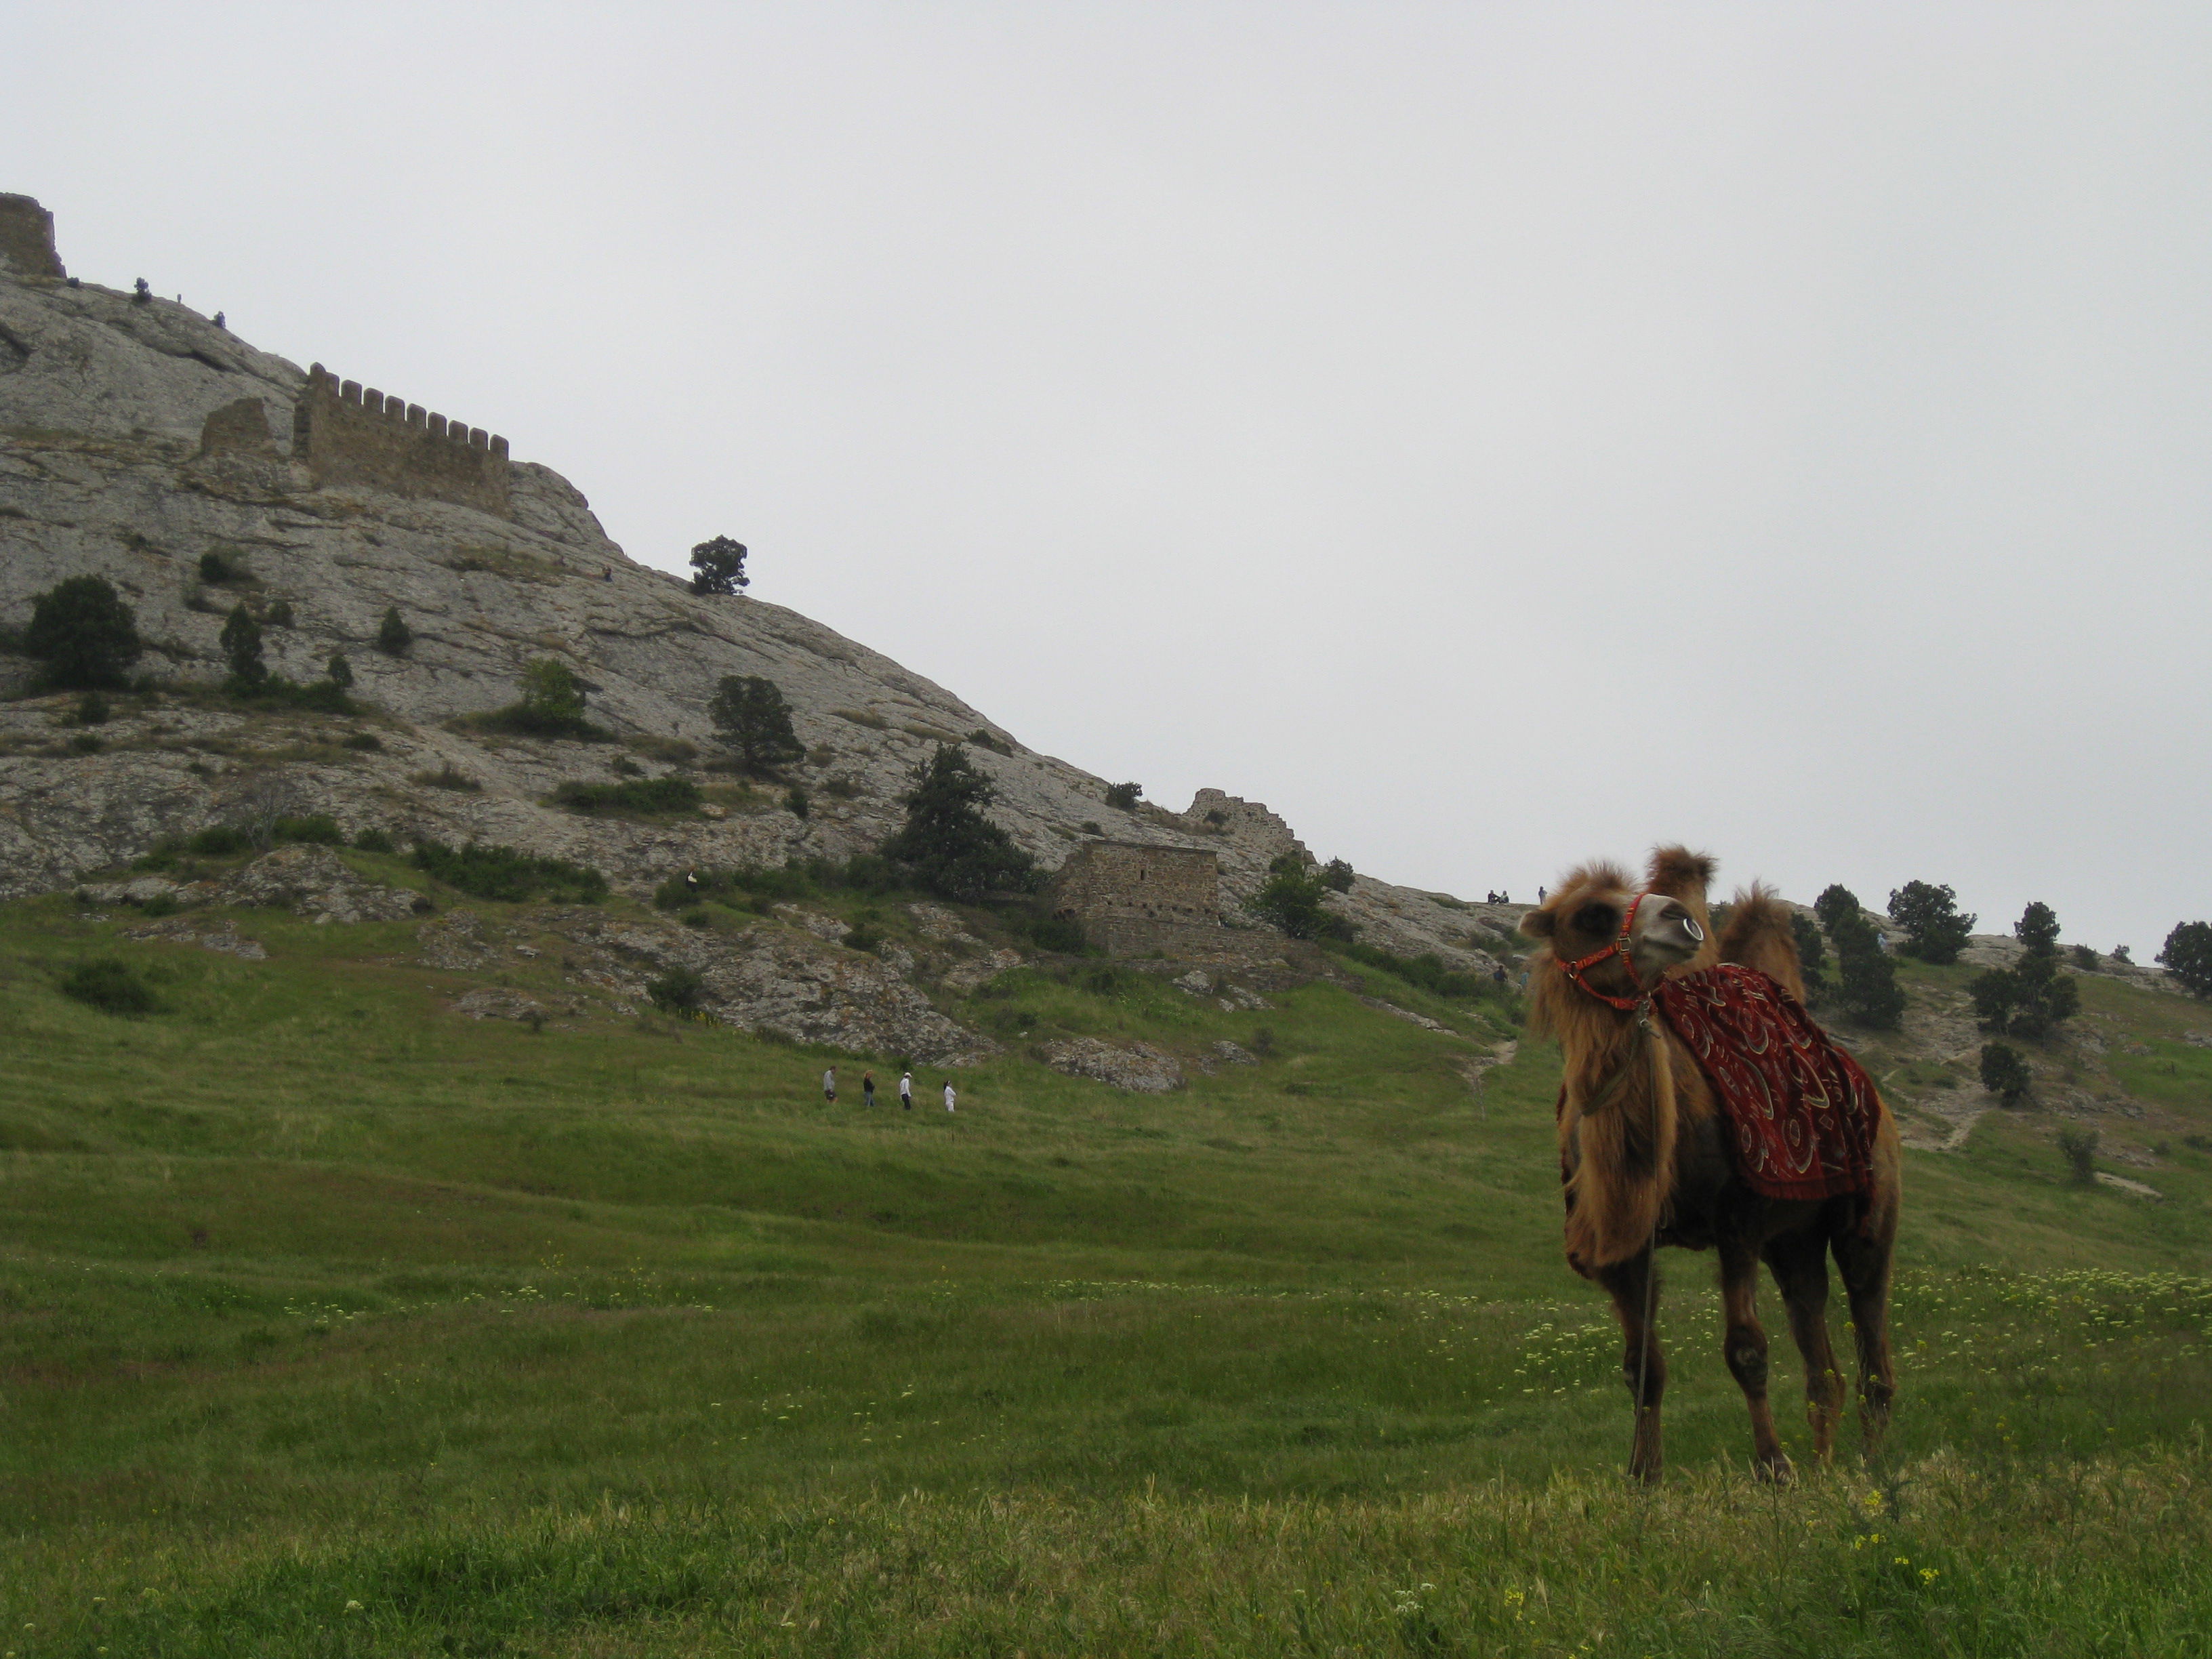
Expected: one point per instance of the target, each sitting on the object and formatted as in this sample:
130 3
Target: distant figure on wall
906 1090
949 1096
830 1085
867 1088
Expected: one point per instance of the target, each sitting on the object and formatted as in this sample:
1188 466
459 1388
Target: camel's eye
1595 918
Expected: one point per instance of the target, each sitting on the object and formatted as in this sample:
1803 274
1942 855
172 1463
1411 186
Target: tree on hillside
1836 903
2030 999
552 700
84 633
1124 797
341 671
241 645
755 720
946 844
1292 901
719 567
1934 930
1812 955
2187 955
1337 875
394 635
2004 1073
1866 979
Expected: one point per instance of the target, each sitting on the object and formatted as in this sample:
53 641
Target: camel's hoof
1777 1470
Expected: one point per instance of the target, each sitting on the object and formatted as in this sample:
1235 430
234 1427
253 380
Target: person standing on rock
867 1088
830 1085
949 1096
906 1090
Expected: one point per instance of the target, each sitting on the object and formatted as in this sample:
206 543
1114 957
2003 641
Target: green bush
111 986
83 632
2079 1148
2031 998
980 739
315 829
864 938
220 567
241 646
218 841
447 777
1428 971
393 637
340 671
2004 1073
373 840
1812 954
643 796
1336 876
678 991
2086 958
92 709
1124 797
1062 935
1291 901
1934 931
366 742
504 873
1836 902
88 743
796 803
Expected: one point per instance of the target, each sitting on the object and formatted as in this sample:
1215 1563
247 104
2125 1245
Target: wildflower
1929 1575
352 1607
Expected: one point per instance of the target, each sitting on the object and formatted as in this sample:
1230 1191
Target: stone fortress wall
1138 899
345 434
27 238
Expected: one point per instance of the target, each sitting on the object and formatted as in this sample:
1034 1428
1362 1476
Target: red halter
1574 970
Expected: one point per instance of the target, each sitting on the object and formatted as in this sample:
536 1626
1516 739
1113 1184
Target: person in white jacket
830 1085
906 1090
949 1096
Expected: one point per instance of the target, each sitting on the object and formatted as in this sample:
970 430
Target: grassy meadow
333 1322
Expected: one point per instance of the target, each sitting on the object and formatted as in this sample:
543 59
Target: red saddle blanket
1803 1111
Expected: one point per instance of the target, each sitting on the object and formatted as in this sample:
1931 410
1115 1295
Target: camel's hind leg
1800 1265
1864 1264
1634 1286
1746 1349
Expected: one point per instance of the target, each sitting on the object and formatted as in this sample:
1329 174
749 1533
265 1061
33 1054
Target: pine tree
754 718
242 644
1934 930
84 633
1866 978
2187 955
719 567
394 635
946 844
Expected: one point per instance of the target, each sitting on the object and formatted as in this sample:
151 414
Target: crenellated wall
347 434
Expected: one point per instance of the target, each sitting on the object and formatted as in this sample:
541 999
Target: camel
1650 1157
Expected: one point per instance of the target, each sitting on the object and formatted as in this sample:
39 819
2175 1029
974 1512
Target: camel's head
1583 916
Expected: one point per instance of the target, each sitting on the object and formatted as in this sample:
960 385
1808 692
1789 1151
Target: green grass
613 1339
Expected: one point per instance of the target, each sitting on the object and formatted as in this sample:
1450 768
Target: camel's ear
1540 923
1679 873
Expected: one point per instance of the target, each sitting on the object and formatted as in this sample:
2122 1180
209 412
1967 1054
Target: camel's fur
1648 1158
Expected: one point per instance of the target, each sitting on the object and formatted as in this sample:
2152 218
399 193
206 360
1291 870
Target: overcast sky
1491 435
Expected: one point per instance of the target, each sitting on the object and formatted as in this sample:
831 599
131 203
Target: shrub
220 567
504 873
218 840
864 938
1092 827
1336 876
718 566
2031 998
1934 930
83 632
1263 1042
1062 935
1836 902
1291 901
340 671
1866 979
111 986
86 743
393 637
623 767
2187 955
797 803
2038 930
92 709
447 777
551 699
2079 1148
241 645
2004 1073
1428 971
946 845
279 614
315 829
644 796
366 742
982 739
1124 797
373 840
678 991
754 719
2086 958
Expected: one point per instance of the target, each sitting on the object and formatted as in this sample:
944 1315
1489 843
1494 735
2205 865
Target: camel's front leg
1634 1286
1746 1354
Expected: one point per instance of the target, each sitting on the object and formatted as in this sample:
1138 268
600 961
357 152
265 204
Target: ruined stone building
1136 899
345 434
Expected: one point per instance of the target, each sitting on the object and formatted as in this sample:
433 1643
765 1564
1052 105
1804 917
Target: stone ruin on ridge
345 434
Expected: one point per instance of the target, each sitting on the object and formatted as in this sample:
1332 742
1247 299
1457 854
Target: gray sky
1491 435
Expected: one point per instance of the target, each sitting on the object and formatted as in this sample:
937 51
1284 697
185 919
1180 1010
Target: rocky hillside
107 466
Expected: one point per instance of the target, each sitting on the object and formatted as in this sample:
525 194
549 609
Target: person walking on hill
830 1085
949 1096
906 1090
867 1088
